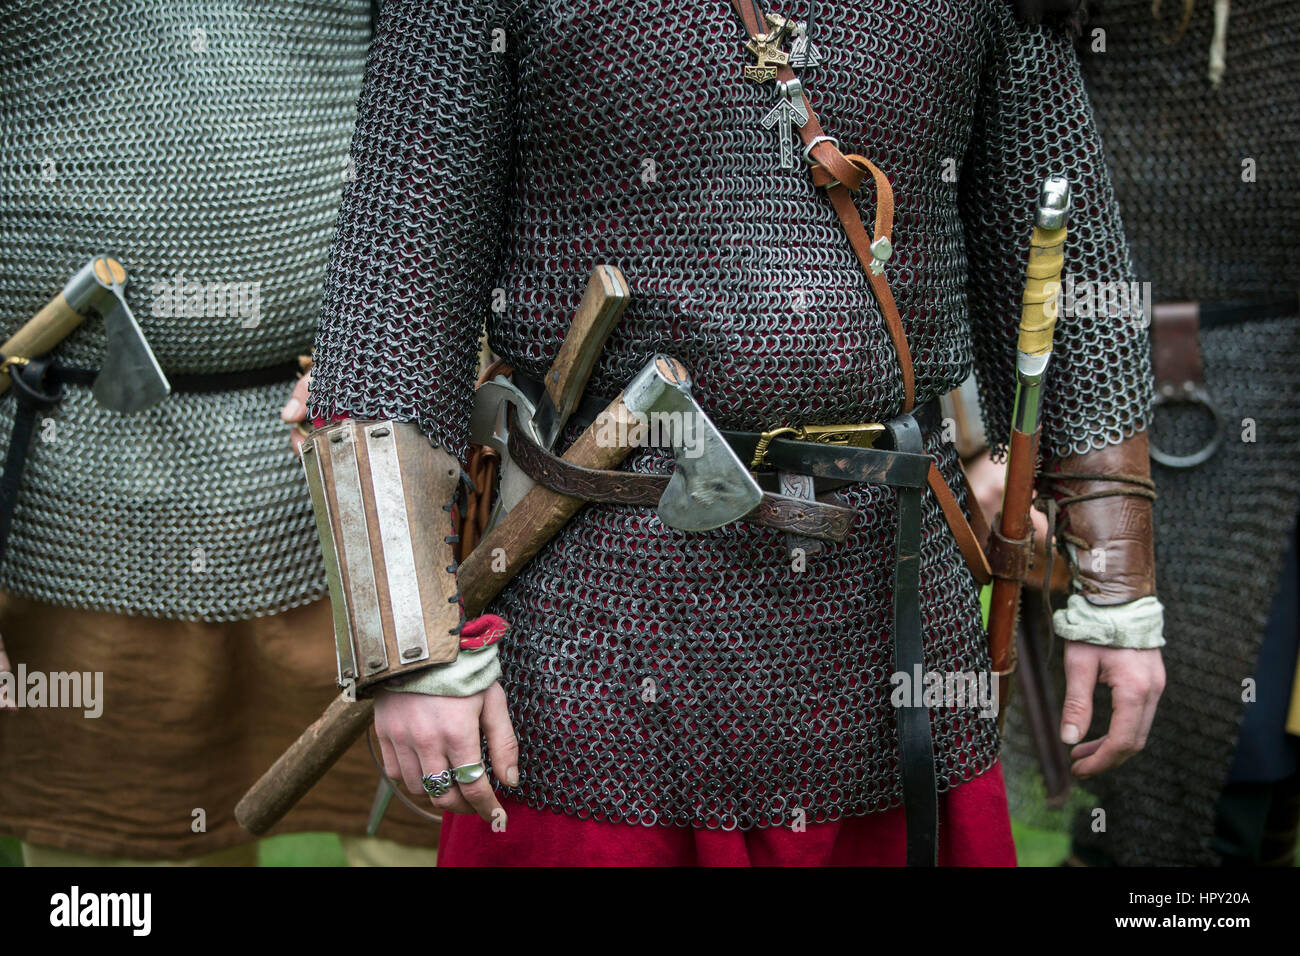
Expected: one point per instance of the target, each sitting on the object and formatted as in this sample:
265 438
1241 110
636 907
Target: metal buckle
855 436
812 144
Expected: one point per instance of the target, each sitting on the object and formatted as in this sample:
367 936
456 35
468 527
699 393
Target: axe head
710 486
130 379
489 425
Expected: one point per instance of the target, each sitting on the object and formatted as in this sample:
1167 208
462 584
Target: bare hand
1136 680
295 412
421 735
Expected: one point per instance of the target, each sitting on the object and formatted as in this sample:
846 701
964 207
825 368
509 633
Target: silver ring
816 141
469 772
438 784
1190 395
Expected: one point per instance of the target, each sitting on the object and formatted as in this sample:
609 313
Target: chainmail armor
200 142
656 676
1176 146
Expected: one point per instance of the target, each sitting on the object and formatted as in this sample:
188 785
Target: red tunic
974 830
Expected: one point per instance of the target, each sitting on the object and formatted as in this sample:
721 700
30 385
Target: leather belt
1176 360
190 382
38 385
834 466
812 519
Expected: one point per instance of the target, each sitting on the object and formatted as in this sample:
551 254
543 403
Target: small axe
601 308
662 386
130 378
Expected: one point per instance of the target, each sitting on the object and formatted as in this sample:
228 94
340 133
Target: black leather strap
194 382
29 388
915 744
1213 315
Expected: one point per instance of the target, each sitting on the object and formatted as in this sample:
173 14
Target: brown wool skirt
192 715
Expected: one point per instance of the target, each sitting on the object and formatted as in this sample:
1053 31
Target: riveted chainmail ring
199 142
1175 145
696 679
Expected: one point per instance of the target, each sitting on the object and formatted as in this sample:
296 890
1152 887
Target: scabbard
1014 528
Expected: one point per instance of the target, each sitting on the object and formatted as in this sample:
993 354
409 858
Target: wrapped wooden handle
1042 287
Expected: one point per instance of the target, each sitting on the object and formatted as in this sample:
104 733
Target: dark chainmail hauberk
199 142
1176 145
656 676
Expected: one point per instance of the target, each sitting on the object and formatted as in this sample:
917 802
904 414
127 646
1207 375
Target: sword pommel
1053 202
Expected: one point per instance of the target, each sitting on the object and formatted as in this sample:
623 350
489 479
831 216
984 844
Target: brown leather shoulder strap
840 175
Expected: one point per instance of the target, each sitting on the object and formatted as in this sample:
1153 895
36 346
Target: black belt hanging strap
29 392
915 744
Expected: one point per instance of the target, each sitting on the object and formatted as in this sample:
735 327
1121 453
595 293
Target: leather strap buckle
855 436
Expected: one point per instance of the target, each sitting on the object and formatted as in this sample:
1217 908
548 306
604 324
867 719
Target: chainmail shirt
205 145
1179 148
503 149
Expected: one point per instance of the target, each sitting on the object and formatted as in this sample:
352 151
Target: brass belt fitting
856 436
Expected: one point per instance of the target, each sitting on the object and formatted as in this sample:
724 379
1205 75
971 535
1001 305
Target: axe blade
710 486
130 379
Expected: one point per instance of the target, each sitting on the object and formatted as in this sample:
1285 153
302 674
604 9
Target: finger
1080 681
1154 691
409 763
503 745
1123 738
479 793
295 409
392 769
1085 748
453 801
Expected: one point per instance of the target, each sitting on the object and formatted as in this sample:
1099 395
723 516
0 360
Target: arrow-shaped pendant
788 112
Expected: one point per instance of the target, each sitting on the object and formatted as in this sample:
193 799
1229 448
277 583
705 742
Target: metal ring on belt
1195 395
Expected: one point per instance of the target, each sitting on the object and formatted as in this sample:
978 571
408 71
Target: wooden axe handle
40 334
538 516
508 547
299 768
599 311
517 537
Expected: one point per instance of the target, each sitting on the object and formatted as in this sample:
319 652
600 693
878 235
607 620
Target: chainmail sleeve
1035 119
415 250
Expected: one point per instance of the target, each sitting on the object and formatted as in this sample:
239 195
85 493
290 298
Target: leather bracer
380 492
1107 523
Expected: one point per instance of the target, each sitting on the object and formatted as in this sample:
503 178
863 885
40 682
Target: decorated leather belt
821 452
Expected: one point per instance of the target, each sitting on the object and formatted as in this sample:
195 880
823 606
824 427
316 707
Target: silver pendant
788 112
803 55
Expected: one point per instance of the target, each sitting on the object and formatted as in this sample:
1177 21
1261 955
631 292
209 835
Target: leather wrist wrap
1107 521
380 493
